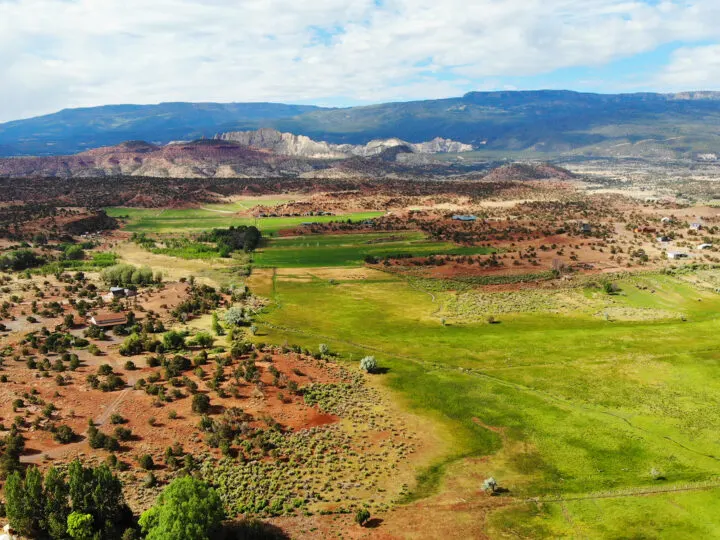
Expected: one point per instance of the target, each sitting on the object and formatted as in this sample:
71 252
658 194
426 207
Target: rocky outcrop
299 145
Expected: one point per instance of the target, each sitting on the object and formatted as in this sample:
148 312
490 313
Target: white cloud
63 53
692 68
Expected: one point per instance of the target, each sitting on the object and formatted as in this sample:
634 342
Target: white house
677 255
695 226
705 246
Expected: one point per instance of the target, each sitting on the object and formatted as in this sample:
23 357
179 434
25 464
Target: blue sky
70 53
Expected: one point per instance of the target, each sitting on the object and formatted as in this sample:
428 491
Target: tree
362 516
187 508
235 316
200 403
98 492
57 507
216 326
324 349
369 364
80 526
24 502
252 238
174 340
204 340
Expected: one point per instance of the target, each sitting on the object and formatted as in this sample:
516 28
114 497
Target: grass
152 220
584 404
351 249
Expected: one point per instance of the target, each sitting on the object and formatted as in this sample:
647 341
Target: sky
56 54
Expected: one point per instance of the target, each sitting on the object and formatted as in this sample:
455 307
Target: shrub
146 462
64 434
362 516
200 403
368 364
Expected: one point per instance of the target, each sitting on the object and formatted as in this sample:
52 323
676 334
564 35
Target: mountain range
547 122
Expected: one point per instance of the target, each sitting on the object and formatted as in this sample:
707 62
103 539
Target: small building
586 228
705 246
666 220
105 319
677 255
695 226
118 292
460 217
663 238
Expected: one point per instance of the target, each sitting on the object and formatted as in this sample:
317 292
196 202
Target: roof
108 318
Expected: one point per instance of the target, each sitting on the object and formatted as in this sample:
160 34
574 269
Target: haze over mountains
542 122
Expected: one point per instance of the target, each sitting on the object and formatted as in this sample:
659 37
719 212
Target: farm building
677 255
586 228
107 318
663 238
705 246
118 292
459 217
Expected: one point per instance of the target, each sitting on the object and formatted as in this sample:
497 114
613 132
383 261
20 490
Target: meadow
351 249
154 220
565 406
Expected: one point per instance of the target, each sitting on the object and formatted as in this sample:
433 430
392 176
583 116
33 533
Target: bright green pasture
351 249
584 404
152 220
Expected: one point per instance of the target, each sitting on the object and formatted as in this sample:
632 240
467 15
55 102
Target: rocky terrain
300 145
200 159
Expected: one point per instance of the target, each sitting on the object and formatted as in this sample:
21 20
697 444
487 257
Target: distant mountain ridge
300 145
548 122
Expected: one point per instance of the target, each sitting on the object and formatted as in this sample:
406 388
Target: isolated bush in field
324 349
369 364
490 485
362 516
200 403
64 434
146 462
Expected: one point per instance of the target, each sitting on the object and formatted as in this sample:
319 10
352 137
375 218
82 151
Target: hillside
547 122
200 159
74 130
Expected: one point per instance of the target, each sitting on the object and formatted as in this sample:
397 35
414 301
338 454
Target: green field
351 249
153 220
581 405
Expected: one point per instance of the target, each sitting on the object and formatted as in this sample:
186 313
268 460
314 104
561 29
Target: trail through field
216 210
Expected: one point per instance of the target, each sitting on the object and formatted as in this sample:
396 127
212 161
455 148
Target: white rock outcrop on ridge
299 145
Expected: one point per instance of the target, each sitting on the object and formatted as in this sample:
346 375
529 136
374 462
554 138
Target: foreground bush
187 508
